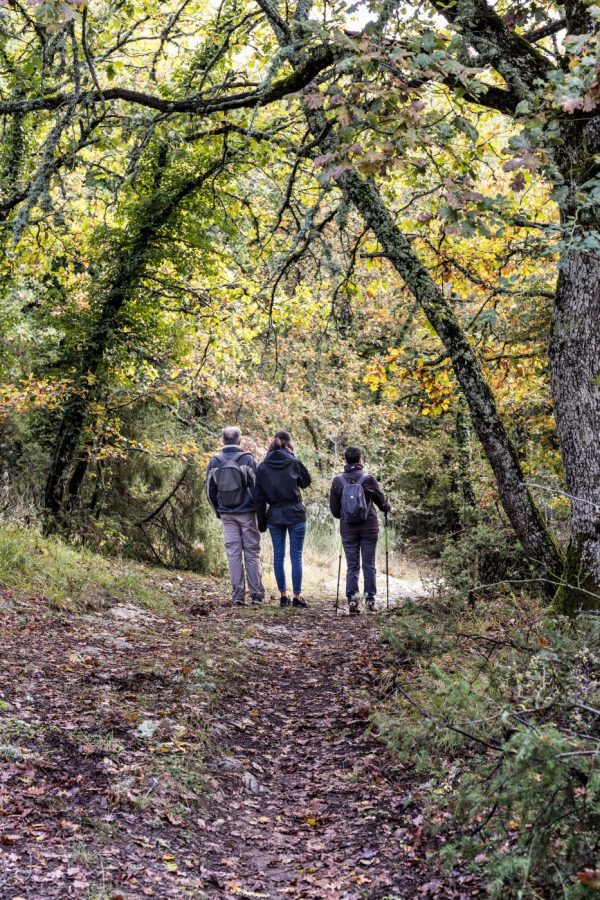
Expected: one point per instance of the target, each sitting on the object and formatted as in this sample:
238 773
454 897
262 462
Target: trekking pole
387 564
337 596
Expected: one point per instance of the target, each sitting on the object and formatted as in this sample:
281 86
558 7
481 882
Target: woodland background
371 224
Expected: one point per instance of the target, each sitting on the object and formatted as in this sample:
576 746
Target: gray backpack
230 480
354 506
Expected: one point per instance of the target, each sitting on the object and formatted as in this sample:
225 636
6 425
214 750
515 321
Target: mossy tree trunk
463 447
516 499
575 369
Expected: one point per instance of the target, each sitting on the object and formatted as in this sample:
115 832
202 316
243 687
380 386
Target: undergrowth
500 706
70 578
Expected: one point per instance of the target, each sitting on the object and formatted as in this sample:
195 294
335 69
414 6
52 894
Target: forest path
214 752
308 803
400 589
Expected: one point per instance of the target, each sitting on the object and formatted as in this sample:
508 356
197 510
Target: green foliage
502 707
69 578
485 559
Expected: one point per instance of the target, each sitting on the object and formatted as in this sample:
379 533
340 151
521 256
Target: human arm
211 486
377 495
335 499
304 478
260 503
249 468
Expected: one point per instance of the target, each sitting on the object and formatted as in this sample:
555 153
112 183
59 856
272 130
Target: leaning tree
536 66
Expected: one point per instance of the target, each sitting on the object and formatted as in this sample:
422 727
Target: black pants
358 543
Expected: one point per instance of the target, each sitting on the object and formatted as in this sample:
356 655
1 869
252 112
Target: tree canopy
376 219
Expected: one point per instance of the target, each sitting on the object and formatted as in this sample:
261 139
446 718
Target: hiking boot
353 608
239 602
284 601
256 600
299 603
370 604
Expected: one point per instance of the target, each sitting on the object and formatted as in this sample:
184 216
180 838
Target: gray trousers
242 546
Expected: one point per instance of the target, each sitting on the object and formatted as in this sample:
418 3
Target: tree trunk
575 374
85 390
575 360
463 446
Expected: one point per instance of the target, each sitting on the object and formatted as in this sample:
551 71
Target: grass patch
69 578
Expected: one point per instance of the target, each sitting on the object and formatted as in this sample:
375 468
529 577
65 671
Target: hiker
352 498
230 481
279 478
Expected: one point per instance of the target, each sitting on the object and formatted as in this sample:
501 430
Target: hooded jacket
373 495
279 478
247 464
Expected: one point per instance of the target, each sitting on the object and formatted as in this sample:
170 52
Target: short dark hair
352 455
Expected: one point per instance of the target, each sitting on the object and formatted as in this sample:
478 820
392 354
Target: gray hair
232 435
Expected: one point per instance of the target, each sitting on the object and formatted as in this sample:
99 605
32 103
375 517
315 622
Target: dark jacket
373 495
247 464
279 478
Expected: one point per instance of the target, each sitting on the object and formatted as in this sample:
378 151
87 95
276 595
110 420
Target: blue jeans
278 535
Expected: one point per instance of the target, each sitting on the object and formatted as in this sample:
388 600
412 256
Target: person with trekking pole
352 499
278 501
230 481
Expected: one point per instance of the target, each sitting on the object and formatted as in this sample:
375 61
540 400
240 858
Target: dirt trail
218 753
309 804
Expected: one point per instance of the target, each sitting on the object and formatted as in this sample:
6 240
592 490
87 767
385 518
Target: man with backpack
230 479
352 498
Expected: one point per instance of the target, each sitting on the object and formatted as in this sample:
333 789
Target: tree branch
321 58
509 53
545 30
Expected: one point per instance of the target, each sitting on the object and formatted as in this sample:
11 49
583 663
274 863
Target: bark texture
575 374
463 445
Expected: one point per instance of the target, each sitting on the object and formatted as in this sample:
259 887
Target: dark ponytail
281 441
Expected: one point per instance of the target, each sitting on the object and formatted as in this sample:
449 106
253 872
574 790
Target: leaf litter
147 756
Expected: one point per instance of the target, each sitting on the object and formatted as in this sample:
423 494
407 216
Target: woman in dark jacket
279 508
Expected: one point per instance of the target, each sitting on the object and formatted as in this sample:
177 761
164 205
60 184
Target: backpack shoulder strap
347 476
368 494
222 457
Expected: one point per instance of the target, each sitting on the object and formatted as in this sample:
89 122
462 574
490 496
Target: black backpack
354 506
230 480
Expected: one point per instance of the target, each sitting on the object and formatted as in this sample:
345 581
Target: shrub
486 559
505 714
